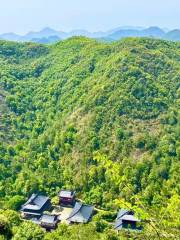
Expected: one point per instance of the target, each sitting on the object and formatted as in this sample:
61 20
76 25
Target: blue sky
21 16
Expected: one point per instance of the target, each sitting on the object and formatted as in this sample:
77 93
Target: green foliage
14 202
4 226
28 230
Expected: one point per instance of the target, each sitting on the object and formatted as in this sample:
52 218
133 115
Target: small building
35 206
126 220
81 213
67 197
49 222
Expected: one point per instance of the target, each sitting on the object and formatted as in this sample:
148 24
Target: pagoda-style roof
35 203
81 213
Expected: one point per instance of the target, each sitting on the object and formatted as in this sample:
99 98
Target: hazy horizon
21 16
81 29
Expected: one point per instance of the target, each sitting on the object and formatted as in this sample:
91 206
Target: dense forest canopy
102 119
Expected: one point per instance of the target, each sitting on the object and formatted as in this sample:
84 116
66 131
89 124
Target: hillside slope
98 118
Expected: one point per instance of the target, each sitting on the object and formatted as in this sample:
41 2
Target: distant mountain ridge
49 35
174 34
46 40
148 32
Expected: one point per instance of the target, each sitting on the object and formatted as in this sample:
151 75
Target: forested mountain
102 119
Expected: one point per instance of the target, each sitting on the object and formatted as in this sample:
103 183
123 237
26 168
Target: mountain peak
48 30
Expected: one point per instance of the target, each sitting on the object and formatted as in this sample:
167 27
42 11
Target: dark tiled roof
35 202
118 224
48 219
122 212
81 213
66 194
130 218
